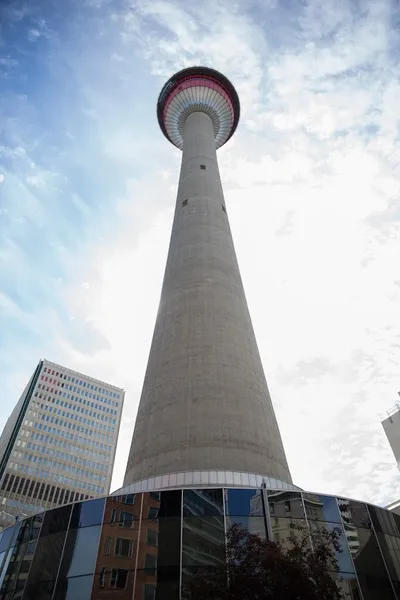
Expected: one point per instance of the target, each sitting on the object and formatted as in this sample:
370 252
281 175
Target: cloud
311 180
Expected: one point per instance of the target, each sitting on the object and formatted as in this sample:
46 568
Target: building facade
205 402
59 442
147 545
391 426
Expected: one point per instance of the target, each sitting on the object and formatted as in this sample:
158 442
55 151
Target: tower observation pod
205 404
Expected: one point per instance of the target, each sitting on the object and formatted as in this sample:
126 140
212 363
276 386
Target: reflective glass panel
197 579
47 558
118 548
11 574
347 585
390 547
383 520
203 541
162 584
370 568
56 520
116 509
244 502
30 528
159 551
18 567
80 552
42 590
342 555
114 580
321 508
202 503
254 525
284 529
170 503
286 504
160 538
6 537
354 514
87 514
76 588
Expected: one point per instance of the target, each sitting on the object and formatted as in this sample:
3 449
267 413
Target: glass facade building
146 545
59 443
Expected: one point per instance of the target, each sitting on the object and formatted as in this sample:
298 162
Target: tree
260 569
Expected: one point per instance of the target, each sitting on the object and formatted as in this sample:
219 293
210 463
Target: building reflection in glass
365 551
203 536
148 546
319 507
21 556
158 560
49 551
115 564
286 510
246 508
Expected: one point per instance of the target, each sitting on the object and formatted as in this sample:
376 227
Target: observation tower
205 404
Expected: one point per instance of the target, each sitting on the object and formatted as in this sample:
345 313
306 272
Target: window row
100 447
37 490
80 382
70 436
58 478
68 468
77 400
45 450
77 418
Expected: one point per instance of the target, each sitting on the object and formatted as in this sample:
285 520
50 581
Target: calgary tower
205 403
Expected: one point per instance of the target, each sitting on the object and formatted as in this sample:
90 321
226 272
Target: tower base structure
150 539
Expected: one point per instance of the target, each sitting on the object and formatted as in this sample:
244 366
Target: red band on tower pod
194 81
198 89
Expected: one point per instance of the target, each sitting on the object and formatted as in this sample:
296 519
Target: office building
59 443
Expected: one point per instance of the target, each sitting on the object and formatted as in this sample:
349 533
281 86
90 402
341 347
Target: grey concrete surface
205 403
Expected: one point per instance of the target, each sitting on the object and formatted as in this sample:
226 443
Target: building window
203 167
153 512
102 577
128 499
113 516
152 538
119 578
126 520
150 563
123 547
149 592
287 506
107 545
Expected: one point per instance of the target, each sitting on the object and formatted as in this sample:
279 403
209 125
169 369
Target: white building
391 425
59 442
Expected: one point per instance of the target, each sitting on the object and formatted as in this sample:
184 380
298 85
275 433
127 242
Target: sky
312 186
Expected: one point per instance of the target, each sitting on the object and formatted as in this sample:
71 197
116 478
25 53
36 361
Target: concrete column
205 402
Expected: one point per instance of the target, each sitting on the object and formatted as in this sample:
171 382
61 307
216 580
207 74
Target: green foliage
260 569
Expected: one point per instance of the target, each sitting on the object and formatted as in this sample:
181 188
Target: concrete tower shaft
205 403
